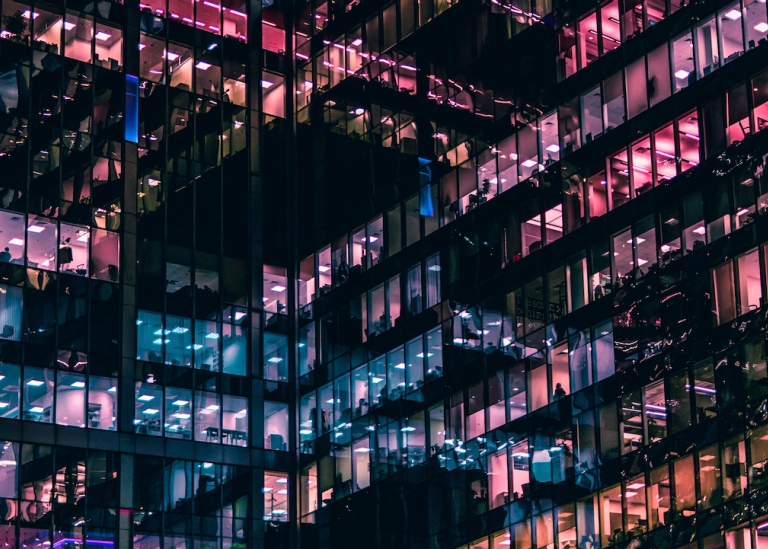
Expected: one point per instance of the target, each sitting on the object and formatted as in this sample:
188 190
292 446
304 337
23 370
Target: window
580 359
70 399
737 125
723 297
9 390
414 361
660 497
682 61
178 413
749 284
591 114
548 139
731 32
275 425
685 490
637 88
275 492
149 409
706 47
516 392
659 85
207 416
586 31
413 293
108 47
709 477
613 106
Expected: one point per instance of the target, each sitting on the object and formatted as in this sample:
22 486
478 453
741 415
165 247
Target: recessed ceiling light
681 74
102 35
733 15
202 65
278 288
267 84
761 27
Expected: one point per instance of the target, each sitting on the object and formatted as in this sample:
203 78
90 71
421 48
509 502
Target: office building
465 274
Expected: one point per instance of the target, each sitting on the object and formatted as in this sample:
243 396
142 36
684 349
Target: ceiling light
212 407
700 230
36 410
681 74
529 163
35 383
323 269
212 335
275 360
733 15
141 46
4 404
553 148
102 35
358 111
278 288
78 384
16 242
181 416
36 229
762 26
146 398
202 65
151 411
180 402
266 84
357 42
69 25
26 14
172 56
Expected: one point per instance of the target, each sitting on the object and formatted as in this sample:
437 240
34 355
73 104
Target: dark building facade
429 274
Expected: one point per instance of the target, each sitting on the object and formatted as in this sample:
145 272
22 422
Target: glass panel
149 409
207 414
682 62
178 413
707 53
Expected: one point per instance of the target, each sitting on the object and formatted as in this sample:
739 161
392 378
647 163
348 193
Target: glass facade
434 274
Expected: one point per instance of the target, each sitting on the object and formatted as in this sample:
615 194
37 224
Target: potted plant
15 27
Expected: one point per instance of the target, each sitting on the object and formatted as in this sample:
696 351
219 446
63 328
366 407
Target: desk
234 436
211 433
